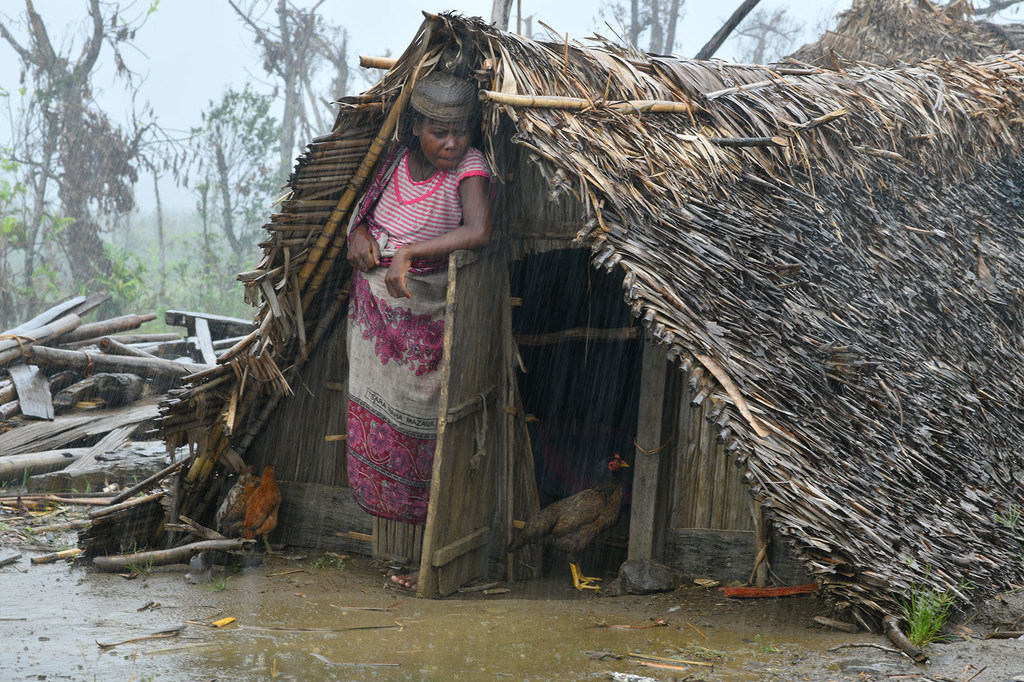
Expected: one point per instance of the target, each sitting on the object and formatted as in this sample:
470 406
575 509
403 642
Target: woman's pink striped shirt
413 212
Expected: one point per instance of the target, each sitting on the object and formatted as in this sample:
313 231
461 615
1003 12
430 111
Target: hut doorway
581 386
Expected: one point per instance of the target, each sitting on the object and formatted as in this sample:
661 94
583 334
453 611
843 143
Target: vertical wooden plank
467 462
646 518
703 489
759 576
205 341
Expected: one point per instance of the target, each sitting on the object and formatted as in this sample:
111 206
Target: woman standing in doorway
429 200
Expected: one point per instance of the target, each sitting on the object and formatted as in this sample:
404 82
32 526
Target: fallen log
151 368
7 391
175 555
14 467
113 389
95 330
13 348
891 625
8 410
112 346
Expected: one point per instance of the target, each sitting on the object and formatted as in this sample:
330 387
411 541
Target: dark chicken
231 514
570 525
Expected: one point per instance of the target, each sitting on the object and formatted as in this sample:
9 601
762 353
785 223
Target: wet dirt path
303 619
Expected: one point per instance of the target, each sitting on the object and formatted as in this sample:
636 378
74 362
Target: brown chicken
231 514
571 524
261 511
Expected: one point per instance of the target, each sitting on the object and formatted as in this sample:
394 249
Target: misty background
143 144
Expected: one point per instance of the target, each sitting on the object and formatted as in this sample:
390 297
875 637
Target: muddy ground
310 616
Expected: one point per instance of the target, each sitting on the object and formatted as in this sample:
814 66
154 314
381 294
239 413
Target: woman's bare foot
410 580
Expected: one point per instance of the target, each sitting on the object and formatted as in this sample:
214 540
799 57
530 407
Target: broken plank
219 325
33 391
62 430
205 341
113 440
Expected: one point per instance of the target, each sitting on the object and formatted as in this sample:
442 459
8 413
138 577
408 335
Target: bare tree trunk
500 11
634 22
657 29
673 19
160 234
224 181
730 25
290 82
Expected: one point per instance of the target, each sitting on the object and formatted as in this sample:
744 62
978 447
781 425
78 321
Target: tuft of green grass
926 611
218 585
140 569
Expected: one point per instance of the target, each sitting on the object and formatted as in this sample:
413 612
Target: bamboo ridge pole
368 62
659 106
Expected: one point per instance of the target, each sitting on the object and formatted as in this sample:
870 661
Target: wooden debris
836 624
764 592
891 625
162 634
56 556
114 564
8 560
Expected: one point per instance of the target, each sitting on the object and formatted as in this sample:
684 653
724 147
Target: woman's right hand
363 250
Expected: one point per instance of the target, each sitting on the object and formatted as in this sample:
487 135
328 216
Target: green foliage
124 283
926 611
237 147
218 585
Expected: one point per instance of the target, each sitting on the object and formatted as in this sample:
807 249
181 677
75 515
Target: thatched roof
890 32
845 288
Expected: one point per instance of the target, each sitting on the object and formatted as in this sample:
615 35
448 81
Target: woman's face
443 144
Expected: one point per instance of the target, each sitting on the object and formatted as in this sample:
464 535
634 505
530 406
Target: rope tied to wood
18 338
654 451
481 435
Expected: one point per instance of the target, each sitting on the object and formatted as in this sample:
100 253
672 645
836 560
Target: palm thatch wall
834 260
889 32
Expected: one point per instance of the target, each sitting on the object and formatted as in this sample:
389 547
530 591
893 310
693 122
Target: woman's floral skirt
394 347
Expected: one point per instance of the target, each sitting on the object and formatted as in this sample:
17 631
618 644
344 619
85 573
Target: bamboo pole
105 328
13 346
56 556
99 362
368 62
658 106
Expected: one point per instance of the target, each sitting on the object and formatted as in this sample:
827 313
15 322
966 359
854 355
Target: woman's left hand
395 278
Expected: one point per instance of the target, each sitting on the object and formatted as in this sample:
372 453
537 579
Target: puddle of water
539 631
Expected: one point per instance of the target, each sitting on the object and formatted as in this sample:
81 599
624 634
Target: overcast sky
191 51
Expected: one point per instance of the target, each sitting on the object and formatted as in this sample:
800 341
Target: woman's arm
474 232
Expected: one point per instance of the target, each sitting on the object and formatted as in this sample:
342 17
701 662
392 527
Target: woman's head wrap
444 97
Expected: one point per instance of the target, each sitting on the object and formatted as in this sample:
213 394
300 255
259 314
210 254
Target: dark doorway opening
581 387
